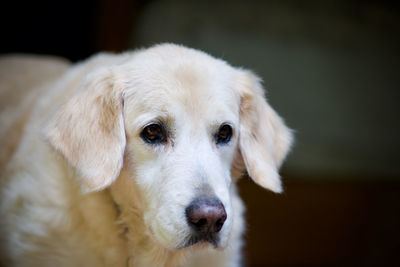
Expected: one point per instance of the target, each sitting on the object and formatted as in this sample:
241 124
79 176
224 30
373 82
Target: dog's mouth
210 238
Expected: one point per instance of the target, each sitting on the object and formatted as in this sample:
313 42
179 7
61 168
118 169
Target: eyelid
152 122
145 119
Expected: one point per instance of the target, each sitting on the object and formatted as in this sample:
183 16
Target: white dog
131 159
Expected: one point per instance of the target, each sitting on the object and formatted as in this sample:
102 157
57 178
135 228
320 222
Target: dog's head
176 127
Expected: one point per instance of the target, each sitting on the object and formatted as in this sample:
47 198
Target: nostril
219 224
200 223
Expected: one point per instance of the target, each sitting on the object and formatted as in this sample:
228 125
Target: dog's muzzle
206 217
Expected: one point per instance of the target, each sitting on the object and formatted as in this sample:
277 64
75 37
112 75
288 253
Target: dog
131 159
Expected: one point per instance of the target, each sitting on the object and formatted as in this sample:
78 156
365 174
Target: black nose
206 215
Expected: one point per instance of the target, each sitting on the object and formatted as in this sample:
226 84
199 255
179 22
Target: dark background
331 69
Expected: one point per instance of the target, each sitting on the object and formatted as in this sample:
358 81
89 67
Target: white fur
81 188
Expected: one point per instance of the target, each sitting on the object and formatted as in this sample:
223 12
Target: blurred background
330 68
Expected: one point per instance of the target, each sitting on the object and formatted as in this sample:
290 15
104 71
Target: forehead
201 90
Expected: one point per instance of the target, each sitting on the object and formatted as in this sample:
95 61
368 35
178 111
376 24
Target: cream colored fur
79 186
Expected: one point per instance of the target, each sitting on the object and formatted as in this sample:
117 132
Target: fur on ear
89 130
264 139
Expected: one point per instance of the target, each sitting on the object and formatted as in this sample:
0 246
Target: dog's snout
206 215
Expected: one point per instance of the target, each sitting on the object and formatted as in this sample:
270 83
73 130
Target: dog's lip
197 244
195 240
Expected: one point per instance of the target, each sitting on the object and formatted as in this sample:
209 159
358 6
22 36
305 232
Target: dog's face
181 124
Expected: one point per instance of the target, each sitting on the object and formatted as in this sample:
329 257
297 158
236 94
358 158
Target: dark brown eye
224 134
154 134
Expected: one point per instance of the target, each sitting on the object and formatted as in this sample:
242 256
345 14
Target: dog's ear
89 130
264 140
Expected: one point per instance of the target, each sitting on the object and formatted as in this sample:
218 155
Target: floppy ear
264 140
89 130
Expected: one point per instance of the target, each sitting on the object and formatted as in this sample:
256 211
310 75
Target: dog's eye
224 134
154 134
